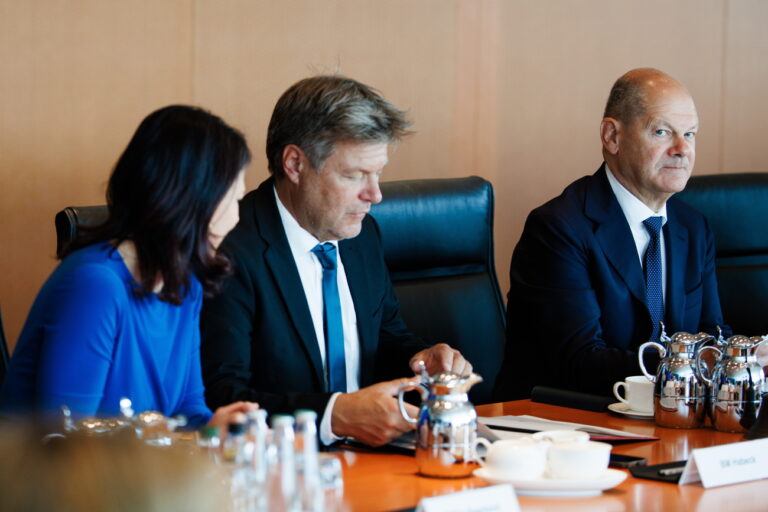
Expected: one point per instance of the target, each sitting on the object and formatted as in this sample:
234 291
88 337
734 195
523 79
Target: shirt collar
299 239
634 209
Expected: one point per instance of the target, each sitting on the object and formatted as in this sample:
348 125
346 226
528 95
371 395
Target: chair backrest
736 207
438 245
4 354
69 220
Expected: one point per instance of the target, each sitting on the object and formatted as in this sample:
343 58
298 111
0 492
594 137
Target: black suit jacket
258 340
577 309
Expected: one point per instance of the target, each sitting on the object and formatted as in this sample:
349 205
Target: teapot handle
400 403
641 350
476 454
761 352
698 362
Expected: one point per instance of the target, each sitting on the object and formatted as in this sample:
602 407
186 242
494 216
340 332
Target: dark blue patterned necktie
652 267
334 331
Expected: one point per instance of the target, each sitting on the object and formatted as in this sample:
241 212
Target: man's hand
371 415
439 358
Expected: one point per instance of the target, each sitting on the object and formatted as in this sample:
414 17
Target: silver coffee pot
737 383
447 424
680 393
151 426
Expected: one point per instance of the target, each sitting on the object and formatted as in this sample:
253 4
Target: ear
610 129
294 162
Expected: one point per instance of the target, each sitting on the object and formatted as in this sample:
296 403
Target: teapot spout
468 381
704 338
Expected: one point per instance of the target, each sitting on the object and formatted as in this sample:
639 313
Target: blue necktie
652 267
334 331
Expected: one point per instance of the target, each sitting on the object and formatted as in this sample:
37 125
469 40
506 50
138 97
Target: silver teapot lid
683 341
91 425
106 426
686 338
741 341
448 382
150 418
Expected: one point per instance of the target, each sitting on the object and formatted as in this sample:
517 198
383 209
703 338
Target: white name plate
496 498
727 464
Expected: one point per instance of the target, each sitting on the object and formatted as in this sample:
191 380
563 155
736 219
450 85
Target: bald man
598 267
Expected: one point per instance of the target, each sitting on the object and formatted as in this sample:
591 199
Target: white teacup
562 436
578 460
638 391
515 459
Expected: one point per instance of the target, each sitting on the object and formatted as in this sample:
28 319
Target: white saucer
624 410
558 487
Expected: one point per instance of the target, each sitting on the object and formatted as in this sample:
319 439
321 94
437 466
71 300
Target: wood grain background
509 90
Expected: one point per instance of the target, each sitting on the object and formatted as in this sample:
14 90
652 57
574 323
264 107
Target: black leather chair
438 245
4 355
71 218
736 206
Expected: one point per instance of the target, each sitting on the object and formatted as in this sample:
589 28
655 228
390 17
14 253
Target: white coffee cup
578 460
562 436
638 391
516 459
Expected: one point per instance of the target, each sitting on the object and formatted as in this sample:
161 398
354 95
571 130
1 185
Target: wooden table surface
387 482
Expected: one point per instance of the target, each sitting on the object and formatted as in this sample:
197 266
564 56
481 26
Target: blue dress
89 341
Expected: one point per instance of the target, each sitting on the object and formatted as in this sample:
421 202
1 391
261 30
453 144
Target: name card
496 498
727 464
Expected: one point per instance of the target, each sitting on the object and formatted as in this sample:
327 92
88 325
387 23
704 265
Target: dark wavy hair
162 195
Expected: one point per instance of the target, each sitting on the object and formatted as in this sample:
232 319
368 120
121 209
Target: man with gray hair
599 267
309 318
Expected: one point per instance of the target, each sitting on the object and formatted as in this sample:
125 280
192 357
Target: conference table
377 481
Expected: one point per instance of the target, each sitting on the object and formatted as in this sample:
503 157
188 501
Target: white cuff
326 433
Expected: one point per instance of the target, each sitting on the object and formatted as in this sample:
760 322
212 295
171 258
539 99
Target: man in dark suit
594 271
309 318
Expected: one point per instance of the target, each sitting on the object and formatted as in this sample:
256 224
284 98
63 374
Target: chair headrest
70 219
439 224
736 207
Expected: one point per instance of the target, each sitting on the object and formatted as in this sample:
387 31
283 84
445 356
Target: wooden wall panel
511 90
745 84
405 49
77 77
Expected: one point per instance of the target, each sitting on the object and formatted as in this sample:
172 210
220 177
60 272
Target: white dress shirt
636 212
310 270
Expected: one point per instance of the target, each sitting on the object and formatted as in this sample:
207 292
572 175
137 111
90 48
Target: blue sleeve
193 403
80 324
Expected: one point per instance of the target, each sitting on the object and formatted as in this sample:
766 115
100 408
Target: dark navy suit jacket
577 309
258 340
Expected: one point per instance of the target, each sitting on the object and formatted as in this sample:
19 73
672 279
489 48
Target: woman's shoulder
98 264
87 280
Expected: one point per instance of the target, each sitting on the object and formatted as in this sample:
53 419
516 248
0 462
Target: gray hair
317 112
627 99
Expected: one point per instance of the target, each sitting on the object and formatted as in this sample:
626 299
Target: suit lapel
676 244
613 233
280 263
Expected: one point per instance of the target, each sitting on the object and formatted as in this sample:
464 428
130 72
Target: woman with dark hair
119 316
